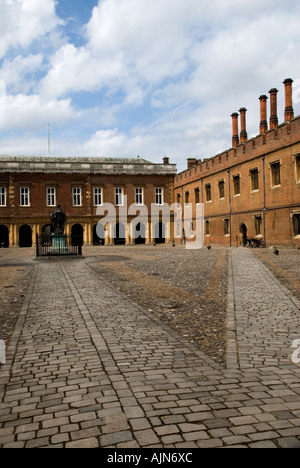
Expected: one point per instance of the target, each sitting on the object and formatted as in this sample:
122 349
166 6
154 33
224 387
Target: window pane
139 196
2 196
255 179
296 221
76 196
276 179
237 185
258 225
298 168
159 196
207 228
51 196
226 227
25 199
98 196
208 192
222 189
119 196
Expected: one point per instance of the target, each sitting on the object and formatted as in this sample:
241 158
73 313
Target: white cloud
24 21
18 73
29 112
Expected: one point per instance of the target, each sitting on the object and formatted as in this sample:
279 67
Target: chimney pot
289 110
263 128
235 129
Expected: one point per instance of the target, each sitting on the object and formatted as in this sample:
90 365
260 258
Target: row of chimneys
263 128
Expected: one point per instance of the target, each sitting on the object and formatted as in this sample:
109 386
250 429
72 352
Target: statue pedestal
58 243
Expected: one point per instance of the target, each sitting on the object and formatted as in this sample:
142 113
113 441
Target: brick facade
61 176
251 191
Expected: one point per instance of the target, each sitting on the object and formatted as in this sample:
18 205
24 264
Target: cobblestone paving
86 367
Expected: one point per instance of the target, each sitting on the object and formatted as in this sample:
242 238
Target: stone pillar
289 110
263 128
273 105
34 233
235 130
243 135
85 234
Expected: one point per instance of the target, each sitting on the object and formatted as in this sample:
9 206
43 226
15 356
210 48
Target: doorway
243 235
120 234
160 233
25 236
4 237
140 234
77 235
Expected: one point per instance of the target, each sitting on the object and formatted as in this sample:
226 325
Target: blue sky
124 78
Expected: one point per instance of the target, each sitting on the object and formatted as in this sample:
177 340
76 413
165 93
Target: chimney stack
289 111
235 130
273 105
243 135
263 128
166 161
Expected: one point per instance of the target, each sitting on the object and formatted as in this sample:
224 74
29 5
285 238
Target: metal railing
58 246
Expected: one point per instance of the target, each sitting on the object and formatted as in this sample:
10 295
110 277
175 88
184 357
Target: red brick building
251 191
30 189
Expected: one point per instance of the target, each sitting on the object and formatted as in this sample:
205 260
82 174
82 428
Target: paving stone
83 443
99 371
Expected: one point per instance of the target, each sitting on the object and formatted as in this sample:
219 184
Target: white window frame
119 196
25 196
51 196
77 196
98 196
139 196
3 196
159 196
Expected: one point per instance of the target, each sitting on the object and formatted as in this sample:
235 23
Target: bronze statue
58 221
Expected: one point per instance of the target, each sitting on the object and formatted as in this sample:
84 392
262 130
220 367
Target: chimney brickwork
263 127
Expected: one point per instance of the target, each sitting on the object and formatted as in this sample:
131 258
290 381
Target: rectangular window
298 168
296 222
207 228
208 192
222 189
187 197
3 196
197 196
159 196
77 196
119 196
25 196
98 196
258 225
276 176
51 196
226 227
178 198
139 196
237 185
254 180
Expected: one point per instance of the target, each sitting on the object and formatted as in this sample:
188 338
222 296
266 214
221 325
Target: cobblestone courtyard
150 347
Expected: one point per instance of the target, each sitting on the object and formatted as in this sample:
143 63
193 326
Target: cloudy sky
122 78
